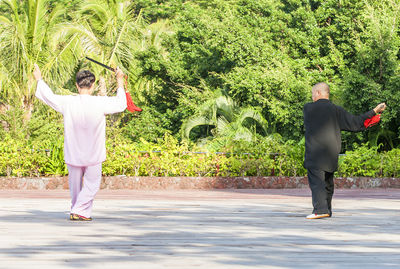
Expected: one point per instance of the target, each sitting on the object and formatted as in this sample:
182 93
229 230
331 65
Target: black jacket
323 122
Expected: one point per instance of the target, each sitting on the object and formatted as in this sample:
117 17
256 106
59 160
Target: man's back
322 135
84 130
323 122
84 123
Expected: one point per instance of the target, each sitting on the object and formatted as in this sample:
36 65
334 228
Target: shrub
168 157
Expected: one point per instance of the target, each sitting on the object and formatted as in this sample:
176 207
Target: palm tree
227 118
109 32
113 33
27 36
34 31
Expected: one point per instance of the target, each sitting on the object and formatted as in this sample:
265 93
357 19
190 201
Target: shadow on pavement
188 234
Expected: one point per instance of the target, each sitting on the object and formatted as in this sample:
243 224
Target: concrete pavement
200 229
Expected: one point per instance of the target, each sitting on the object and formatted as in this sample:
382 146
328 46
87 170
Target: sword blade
101 64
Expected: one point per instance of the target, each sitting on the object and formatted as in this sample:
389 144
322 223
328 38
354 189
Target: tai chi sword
130 105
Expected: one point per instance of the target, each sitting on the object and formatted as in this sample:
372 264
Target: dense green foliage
167 157
267 55
211 75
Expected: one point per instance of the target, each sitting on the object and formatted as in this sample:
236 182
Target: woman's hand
36 73
120 77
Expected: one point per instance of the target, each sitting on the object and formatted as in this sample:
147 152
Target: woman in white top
84 134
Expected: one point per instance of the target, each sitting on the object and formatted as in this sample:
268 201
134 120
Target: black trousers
322 188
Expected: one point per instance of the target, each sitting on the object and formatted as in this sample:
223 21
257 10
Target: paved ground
200 229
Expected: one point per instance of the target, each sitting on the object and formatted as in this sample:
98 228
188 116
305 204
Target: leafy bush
17 159
368 161
362 161
239 158
167 157
390 163
149 124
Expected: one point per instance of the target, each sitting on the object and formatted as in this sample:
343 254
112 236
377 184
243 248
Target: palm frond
250 113
61 64
225 106
191 123
35 14
223 126
243 134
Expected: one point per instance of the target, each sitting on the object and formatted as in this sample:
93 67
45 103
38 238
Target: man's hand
120 77
36 73
380 108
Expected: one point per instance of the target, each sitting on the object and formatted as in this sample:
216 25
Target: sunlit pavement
200 229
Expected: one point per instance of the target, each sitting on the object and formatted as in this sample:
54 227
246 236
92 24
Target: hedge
170 158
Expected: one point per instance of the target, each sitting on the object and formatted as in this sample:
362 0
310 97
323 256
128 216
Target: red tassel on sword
129 102
130 105
374 120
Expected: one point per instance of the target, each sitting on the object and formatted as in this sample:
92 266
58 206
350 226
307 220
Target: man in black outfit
323 122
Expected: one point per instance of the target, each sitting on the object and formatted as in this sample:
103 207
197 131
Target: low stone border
154 183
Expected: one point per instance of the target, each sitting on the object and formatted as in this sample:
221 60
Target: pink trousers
84 183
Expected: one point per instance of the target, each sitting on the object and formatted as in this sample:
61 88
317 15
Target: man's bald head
320 91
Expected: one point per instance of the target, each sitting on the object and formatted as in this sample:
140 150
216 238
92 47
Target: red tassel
372 121
130 105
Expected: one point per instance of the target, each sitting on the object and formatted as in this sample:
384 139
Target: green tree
373 75
27 36
234 46
112 33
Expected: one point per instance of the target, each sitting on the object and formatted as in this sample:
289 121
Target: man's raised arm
350 122
44 93
117 103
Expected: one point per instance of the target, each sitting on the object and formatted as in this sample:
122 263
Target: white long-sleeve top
84 122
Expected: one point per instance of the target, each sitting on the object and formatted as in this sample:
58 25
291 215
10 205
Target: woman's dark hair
85 79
